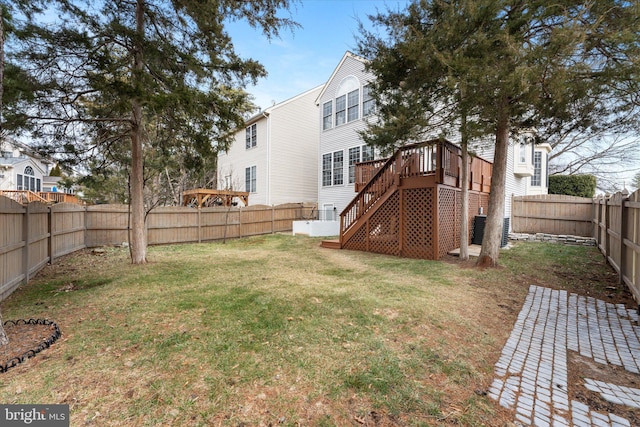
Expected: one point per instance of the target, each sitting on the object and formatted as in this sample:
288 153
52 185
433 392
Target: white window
332 168
536 179
354 157
353 105
341 110
250 179
523 152
327 115
28 181
368 104
251 137
338 174
359 154
367 153
326 170
227 182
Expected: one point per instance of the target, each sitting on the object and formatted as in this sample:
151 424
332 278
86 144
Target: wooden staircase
391 210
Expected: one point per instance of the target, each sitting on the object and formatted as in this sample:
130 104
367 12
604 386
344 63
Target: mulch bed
26 339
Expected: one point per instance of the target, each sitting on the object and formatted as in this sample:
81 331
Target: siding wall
295 135
285 154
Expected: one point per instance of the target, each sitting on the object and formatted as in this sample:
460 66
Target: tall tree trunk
464 181
138 232
3 335
495 216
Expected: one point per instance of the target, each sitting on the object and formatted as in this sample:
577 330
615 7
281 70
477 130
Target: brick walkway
531 374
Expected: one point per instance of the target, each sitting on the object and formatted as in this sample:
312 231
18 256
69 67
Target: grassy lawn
277 331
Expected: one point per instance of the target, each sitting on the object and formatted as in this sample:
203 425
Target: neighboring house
275 156
344 108
21 168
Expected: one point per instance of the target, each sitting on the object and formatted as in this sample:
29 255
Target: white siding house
344 106
341 145
20 168
275 156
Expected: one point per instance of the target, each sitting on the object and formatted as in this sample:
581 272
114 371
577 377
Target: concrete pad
474 250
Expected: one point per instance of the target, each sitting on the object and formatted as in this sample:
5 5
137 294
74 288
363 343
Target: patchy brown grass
278 331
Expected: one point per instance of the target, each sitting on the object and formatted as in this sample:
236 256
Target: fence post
239 223
199 225
607 224
273 219
51 233
623 232
26 237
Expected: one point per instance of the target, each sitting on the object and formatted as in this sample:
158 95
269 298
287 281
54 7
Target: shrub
573 185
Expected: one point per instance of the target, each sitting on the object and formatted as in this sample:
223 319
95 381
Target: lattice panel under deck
418 223
358 242
384 227
446 220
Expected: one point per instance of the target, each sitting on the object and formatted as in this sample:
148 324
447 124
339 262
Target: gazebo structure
205 197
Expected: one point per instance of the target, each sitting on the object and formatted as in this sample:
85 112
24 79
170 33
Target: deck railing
439 159
26 196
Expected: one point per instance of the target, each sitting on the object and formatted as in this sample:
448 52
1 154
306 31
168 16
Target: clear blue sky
304 59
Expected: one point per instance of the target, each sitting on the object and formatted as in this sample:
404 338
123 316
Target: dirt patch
581 367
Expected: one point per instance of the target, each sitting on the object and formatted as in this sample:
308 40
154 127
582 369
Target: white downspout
268 176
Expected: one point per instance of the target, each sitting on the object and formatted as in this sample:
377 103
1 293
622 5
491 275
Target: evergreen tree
110 65
506 64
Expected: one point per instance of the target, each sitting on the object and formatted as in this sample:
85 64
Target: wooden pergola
205 197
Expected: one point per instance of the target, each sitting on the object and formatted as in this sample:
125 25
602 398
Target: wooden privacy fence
617 232
552 214
35 234
614 222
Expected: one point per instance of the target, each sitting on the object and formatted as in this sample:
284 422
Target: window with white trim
28 181
362 153
523 152
251 136
250 179
327 115
354 157
326 169
367 153
536 179
341 110
368 103
338 174
353 105
332 168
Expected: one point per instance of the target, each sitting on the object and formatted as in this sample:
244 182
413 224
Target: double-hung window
368 103
536 179
251 136
353 105
250 179
354 157
327 115
359 154
341 110
338 174
332 168
326 170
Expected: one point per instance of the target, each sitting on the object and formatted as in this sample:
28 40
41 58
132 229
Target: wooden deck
25 196
204 197
410 205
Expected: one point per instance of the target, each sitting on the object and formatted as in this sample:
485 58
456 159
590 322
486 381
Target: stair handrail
377 186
